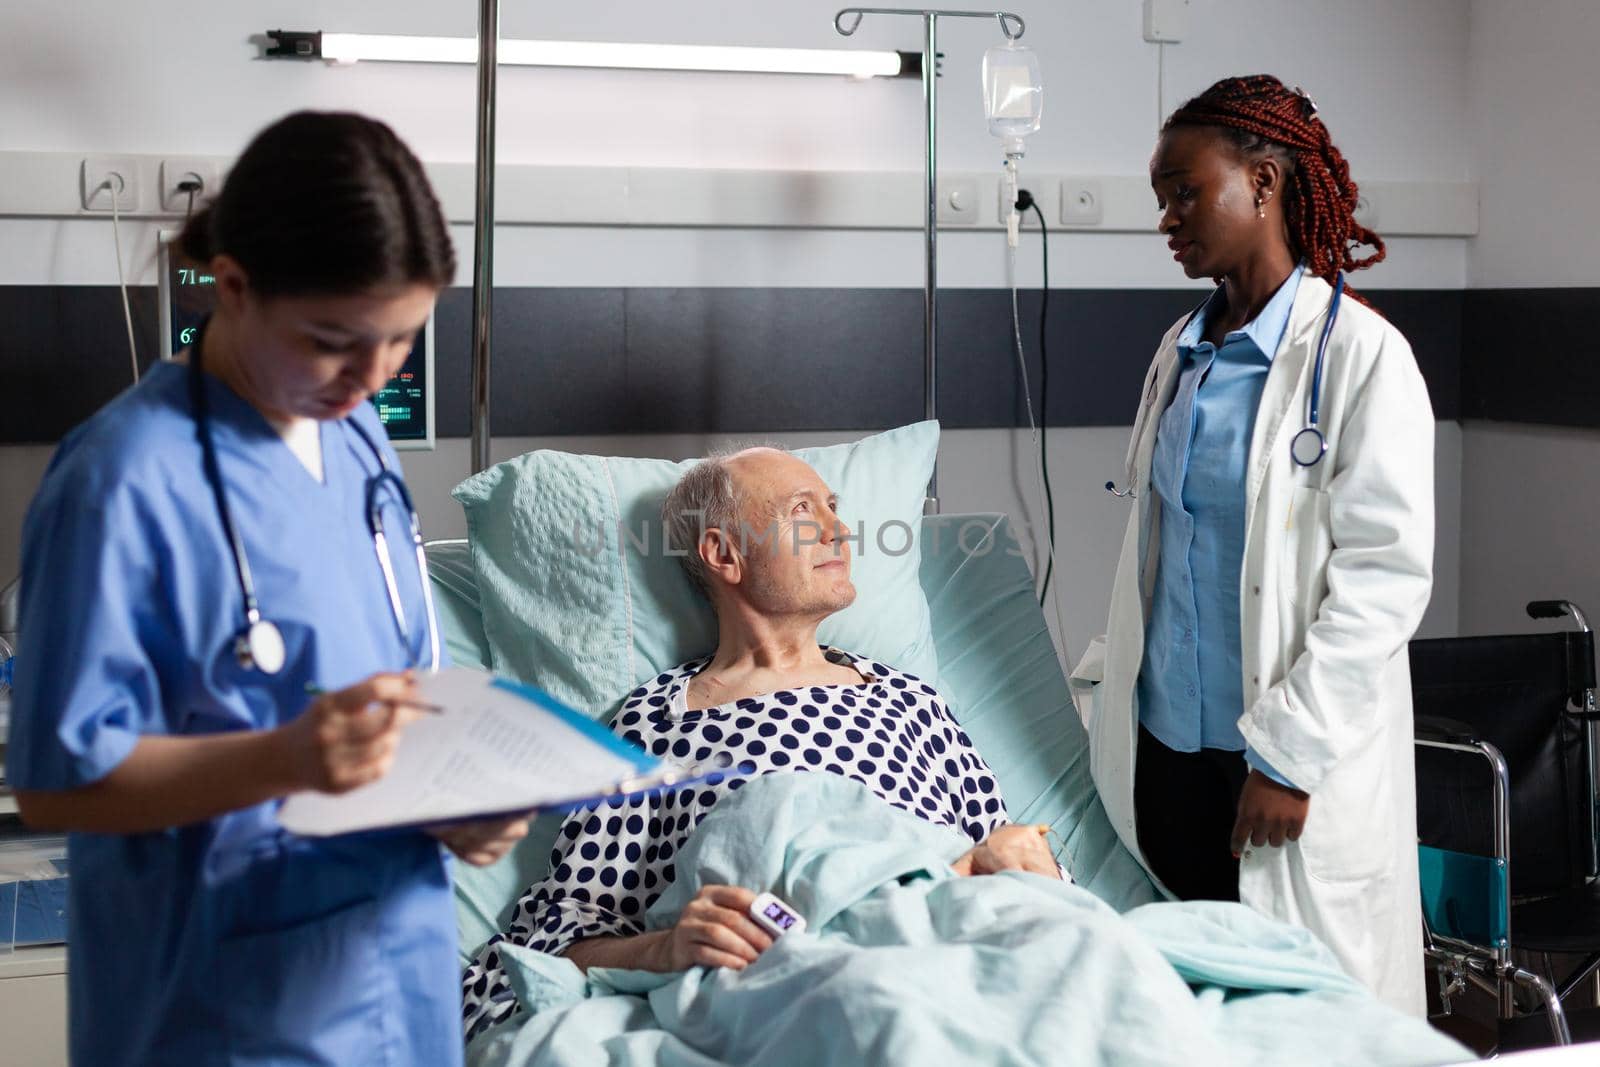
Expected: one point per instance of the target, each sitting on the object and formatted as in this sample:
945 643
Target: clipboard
495 748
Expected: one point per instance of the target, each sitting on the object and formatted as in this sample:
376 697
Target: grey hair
705 498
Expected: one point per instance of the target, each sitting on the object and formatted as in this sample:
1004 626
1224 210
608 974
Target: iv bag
1013 96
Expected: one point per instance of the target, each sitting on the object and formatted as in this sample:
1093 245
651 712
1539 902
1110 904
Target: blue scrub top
229 941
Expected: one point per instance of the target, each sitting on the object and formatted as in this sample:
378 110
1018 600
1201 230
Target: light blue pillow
580 598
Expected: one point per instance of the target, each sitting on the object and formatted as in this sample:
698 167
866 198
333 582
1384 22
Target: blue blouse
1191 687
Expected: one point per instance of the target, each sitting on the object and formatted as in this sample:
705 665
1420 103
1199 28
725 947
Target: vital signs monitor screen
406 402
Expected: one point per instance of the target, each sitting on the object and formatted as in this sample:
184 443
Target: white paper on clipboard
496 747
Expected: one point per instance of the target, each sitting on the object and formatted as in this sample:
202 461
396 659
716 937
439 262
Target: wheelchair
1508 828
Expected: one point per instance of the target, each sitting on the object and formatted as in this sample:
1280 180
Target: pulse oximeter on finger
775 917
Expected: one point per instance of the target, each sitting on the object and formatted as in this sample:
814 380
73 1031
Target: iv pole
483 233
930 224
483 258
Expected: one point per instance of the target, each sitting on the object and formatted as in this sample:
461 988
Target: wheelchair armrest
1439 728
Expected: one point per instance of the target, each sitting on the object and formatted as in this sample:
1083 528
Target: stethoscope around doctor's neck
259 645
1308 446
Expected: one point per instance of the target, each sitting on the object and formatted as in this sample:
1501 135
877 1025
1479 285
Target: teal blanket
905 963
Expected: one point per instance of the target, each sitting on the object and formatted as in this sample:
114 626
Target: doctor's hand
1009 848
348 738
481 841
1269 813
715 930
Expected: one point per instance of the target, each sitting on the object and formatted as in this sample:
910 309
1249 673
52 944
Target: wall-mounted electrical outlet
101 177
958 201
179 170
1082 203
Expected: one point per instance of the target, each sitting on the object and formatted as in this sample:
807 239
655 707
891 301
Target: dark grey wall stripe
64 353
1431 319
613 360
1530 355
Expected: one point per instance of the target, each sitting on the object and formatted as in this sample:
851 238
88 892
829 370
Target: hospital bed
999 669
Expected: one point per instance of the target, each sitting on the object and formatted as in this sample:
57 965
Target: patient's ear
721 556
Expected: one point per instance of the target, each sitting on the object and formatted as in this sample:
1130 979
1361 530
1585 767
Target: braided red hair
1260 116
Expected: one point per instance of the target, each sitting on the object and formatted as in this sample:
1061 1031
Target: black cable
1044 399
1025 201
190 186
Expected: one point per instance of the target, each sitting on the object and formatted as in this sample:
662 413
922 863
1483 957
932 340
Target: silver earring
1261 212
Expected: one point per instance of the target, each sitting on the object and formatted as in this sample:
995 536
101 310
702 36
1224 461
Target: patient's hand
715 930
1009 848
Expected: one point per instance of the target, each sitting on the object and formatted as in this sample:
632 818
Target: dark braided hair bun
1259 116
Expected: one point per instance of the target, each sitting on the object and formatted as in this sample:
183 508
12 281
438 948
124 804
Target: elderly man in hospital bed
760 536
639 949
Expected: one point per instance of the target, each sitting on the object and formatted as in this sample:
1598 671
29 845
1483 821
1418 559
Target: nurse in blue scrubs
179 677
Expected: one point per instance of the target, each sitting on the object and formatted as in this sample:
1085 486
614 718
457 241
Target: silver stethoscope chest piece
1308 446
260 647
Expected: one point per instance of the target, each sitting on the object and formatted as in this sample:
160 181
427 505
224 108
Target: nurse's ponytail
326 203
1259 116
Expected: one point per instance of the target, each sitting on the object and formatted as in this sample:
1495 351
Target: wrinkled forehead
766 476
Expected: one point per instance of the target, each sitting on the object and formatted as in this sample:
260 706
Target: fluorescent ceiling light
399 48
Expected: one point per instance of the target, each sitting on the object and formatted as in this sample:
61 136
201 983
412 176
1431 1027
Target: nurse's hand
482 841
348 738
1009 848
1269 813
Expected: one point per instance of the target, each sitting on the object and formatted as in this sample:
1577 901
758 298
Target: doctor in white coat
1250 703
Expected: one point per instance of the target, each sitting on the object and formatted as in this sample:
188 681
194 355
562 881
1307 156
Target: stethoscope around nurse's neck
1308 446
259 645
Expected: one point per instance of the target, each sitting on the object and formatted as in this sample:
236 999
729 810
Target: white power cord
1161 85
1038 475
127 312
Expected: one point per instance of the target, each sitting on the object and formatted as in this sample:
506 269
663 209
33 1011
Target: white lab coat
1337 571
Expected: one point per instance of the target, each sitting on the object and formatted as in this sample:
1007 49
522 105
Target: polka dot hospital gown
611 861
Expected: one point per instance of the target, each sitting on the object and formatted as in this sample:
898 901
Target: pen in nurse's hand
315 690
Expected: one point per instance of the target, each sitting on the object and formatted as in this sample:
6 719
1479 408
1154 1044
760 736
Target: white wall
116 78
1535 146
184 79
1528 516
158 76
1531 495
